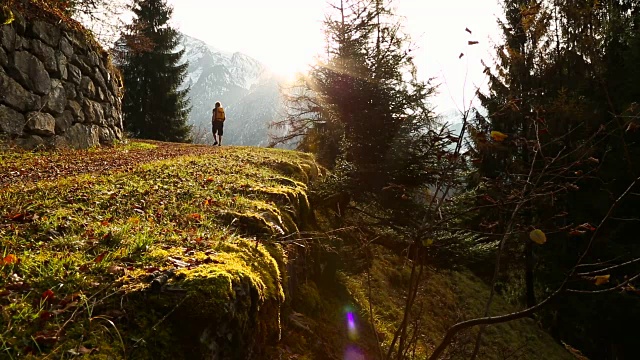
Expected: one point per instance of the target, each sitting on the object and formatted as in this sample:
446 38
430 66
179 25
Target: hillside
101 262
180 251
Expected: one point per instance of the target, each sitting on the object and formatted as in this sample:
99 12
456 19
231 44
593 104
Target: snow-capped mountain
248 91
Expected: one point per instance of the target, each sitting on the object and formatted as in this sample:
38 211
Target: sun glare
285 35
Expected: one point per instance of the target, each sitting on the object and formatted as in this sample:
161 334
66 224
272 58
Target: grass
116 254
446 298
88 249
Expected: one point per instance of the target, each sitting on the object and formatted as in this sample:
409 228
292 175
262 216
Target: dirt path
25 167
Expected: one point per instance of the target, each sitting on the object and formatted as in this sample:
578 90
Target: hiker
217 123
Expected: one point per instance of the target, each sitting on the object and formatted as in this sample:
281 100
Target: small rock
93 59
22 43
46 54
57 142
14 95
63 122
74 73
4 60
66 47
93 112
30 72
87 87
11 121
8 37
20 24
62 66
118 133
56 101
76 111
40 123
70 89
81 62
101 95
106 136
30 142
97 76
82 136
48 33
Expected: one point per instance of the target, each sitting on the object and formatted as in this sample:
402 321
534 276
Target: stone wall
57 89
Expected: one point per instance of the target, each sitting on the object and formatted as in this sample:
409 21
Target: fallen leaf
576 232
84 267
586 227
538 236
84 351
9 260
99 258
602 279
114 269
497 136
48 295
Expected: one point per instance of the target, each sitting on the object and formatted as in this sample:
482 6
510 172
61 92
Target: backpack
218 114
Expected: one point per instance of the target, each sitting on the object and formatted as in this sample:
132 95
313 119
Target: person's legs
220 131
213 130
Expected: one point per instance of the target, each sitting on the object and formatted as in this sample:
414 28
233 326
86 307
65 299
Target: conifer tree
153 105
362 108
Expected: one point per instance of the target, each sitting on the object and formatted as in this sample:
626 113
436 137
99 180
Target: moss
308 298
121 228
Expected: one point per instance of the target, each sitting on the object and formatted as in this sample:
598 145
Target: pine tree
362 108
153 105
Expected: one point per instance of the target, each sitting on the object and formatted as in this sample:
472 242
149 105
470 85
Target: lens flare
352 330
353 353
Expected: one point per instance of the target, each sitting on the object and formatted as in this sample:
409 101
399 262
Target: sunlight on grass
99 239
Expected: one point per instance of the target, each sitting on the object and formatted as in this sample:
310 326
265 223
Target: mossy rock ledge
174 259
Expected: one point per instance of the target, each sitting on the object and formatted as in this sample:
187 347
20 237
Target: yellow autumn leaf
538 237
498 136
427 242
602 279
6 15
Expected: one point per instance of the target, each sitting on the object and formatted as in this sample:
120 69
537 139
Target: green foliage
153 106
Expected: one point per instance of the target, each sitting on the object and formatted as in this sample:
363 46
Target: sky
285 35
